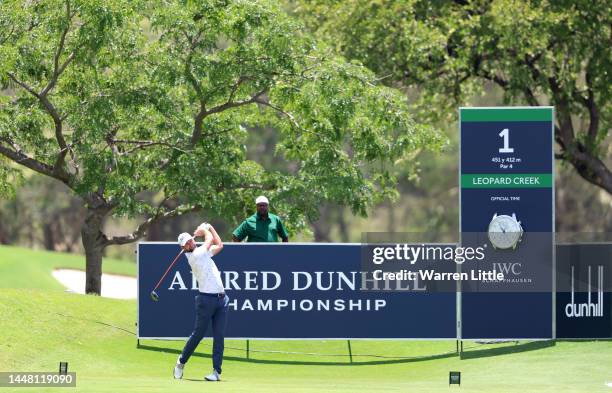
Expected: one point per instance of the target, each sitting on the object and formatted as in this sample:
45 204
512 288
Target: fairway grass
25 268
96 336
41 327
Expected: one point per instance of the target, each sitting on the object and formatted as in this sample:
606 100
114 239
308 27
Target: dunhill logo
588 309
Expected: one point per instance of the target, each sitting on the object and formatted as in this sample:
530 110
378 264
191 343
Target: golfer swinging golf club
211 301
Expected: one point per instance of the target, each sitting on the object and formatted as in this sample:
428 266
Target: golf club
154 295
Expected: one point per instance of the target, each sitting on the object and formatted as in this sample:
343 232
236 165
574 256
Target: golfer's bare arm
217 243
201 231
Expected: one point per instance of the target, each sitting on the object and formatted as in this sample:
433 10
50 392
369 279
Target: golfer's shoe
214 376
178 369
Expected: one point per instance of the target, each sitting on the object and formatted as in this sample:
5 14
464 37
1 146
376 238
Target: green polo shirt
257 229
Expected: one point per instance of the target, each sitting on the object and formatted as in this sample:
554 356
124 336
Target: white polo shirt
205 271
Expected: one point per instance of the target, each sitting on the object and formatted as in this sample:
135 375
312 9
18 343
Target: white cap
184 238
261 199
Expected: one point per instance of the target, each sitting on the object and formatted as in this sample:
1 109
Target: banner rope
297 352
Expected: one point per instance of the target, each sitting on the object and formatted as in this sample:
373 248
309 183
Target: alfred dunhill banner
291 291
321 291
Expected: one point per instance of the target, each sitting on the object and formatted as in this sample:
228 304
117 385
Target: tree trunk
581 155
342 228
3 231
321 226
48 236
391 221
592 169
94 243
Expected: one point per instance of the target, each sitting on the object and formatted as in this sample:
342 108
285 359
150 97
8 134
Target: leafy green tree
143 108
537 52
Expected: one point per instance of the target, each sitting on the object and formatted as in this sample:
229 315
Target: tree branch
191 78
588 166
25 86
110 142
49 107
566 128
141 230
235 87
589 102
494 78
292 120
234 104
145 144
8 35
203 113
223 131
531 98
17 155
288 115
199 117
558 138
197 124
57 71
57 68
58 170
591 168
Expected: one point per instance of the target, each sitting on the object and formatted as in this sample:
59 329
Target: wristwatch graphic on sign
505 231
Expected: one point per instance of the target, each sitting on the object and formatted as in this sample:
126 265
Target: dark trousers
208 308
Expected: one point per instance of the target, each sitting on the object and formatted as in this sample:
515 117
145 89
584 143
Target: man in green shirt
261 226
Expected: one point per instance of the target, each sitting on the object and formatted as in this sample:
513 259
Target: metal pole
350 351
248 350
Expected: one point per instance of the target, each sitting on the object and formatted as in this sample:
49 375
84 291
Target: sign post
507 206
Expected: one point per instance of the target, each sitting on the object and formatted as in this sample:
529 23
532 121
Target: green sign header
506 114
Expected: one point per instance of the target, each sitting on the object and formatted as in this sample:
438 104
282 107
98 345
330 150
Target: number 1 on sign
506 135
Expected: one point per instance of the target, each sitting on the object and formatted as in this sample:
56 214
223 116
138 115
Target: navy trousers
208 308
